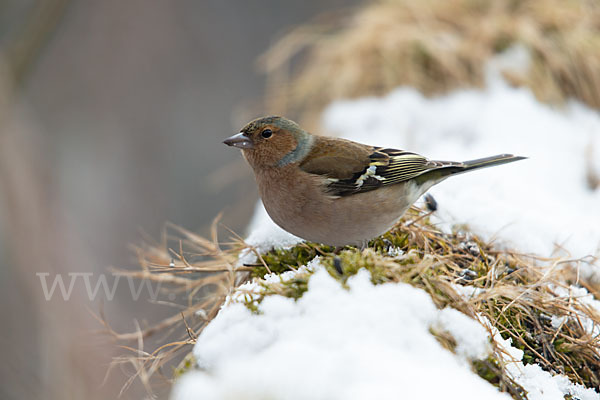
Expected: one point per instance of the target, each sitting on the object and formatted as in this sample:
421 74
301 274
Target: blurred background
112 115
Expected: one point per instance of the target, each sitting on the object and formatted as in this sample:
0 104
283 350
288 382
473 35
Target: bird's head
272 142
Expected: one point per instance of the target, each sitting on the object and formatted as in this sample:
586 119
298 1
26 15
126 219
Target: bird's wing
336 158
381 167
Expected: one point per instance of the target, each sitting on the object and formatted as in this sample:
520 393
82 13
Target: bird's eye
267 133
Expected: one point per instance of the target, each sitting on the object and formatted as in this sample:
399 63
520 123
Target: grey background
111 122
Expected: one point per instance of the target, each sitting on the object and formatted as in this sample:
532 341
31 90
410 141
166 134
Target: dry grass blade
436 46
202 273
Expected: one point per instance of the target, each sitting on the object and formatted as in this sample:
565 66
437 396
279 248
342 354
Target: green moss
396 239
514 324
293 288
188 363
559 346
491 370
351 261
282 260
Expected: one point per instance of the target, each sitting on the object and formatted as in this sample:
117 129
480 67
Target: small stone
468 274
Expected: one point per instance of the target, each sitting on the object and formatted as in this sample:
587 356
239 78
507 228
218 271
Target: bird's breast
298 202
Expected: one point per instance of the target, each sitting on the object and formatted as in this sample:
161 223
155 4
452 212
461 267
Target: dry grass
435 46
516 293
196 275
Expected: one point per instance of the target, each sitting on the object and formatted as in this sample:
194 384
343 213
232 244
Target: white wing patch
370 172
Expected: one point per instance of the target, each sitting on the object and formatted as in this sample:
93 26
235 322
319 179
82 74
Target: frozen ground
374 341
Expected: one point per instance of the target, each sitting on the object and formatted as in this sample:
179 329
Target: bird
335 191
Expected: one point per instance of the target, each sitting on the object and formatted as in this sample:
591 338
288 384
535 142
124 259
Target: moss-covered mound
520 296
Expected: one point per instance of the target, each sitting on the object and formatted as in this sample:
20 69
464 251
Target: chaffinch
335 191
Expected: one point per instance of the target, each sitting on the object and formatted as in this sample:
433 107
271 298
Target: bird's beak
240 140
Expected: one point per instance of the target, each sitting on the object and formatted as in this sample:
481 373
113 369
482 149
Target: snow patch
334 343
583 297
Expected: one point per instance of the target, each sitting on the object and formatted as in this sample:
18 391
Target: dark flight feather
385 167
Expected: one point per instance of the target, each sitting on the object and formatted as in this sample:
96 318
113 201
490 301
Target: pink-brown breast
297 202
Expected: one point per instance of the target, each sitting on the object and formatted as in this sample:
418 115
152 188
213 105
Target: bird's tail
446 168
488 162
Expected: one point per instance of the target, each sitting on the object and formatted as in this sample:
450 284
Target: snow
318 347
583 297
251 290
467 292
334 343
532 204
472 341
